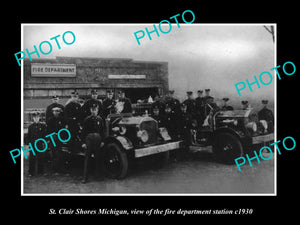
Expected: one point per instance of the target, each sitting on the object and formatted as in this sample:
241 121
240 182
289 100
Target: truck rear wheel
227 148
115 161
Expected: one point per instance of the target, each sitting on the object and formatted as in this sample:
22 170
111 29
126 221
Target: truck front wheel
227 148
115 161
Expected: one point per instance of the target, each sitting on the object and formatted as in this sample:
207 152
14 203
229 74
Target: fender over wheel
115 161
227 147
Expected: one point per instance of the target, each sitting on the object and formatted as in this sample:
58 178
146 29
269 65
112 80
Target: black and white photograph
168 108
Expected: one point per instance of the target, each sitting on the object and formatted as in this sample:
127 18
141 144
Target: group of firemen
179 118
85 121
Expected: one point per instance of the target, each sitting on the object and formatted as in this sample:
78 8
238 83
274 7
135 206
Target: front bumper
262 138
141 152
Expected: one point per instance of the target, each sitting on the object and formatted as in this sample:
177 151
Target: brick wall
92 73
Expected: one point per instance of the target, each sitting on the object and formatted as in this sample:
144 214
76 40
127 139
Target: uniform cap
93 91
225 99
74 93
57 109
36 112
54 96
207 89
200 91
189 92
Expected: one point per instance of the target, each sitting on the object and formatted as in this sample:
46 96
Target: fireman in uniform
199 108
127 103
72 114
108 104
186 119
207 96
190 103
267 115
172 102
158 104
169 121
55 103
245 105
54 124
156 114
92 136
35 131
85 109
225 106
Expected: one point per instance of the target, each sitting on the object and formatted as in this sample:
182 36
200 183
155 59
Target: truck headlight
143 135
252 126
264 124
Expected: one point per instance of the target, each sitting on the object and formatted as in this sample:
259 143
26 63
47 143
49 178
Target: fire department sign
53 70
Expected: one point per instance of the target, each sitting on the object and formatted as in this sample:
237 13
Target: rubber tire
123 160
227 157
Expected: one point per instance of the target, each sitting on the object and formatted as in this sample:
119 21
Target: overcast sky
199 56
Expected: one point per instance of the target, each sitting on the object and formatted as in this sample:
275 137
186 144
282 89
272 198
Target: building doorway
135 94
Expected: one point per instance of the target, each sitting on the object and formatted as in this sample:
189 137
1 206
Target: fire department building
44 78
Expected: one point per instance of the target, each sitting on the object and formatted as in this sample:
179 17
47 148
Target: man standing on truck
199 108
190 103
108 104
126 102
92 136
267 115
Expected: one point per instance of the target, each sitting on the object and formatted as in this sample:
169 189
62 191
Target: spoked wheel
227 148
115 161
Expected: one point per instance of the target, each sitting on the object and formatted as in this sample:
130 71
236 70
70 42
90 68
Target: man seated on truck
127 107
210 108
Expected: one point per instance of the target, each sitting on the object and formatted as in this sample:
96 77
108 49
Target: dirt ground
198 174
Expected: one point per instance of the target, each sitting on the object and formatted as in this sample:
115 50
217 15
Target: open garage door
135 94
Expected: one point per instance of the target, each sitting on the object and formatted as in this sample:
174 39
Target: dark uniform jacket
190 105
72 110
36 131
199 108
92 124
158 104
174 104
227 107
73 116
267 114
54 124
108 106
169 121
127 105
184 125
85 109
199 103
49 108
158 118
